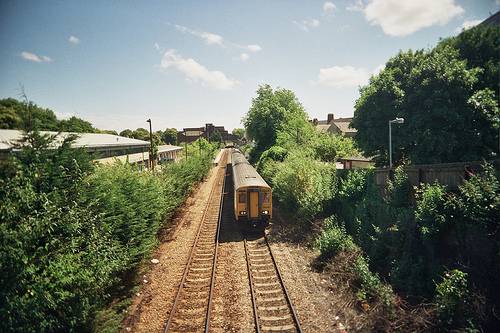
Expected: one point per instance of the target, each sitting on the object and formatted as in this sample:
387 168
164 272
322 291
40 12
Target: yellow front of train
253 203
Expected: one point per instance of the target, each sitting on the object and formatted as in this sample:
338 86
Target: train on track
253 202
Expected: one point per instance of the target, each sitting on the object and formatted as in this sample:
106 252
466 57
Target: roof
343 126
356 158
166 148
84 140
244 175
323 128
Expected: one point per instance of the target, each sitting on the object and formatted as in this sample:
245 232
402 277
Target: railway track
193 301
272 306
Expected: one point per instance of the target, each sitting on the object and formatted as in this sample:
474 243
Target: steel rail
214 267
295 317
193 247
281 282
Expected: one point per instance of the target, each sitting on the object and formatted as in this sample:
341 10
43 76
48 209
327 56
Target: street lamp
395 121
151 145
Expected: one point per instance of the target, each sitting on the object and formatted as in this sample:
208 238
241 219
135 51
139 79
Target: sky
187 63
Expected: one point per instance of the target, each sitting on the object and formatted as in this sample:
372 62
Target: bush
370 286
303 185
430 211
452 300
69 232
333 240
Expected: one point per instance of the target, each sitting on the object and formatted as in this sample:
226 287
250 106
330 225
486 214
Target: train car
253 205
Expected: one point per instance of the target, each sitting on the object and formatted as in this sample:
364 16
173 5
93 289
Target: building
106 148
335 126
355 162
208 131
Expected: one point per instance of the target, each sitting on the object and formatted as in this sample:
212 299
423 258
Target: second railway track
192 305
272 306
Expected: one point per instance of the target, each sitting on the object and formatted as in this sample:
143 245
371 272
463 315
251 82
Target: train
253 201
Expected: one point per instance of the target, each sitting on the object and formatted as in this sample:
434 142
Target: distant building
106 147
192 134
335 126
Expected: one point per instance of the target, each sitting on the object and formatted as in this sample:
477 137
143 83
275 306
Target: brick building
192 134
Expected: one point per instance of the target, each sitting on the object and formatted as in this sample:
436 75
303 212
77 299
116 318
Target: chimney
330 118
315 121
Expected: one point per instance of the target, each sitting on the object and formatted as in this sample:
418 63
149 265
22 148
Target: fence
450 174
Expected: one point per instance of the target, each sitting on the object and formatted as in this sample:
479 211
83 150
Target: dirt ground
320 308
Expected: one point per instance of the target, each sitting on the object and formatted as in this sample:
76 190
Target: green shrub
303 185
371 287
70 231
430 211
453 300
333 240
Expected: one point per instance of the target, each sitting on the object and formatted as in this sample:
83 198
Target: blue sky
186 63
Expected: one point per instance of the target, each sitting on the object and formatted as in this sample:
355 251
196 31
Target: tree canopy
270 111
239 132
169 136
450 113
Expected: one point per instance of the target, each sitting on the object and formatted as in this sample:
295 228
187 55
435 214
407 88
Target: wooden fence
449 174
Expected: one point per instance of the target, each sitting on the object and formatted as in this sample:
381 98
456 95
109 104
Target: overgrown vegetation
73 233
450 91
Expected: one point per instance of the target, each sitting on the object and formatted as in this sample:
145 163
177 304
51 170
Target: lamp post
151 162
395 121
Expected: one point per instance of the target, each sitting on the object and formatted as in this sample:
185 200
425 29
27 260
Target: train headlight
265 212
243 212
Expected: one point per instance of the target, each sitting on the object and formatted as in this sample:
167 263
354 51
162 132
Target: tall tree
239 132
141 134
269 113
446 119
170 136
127 133
77 125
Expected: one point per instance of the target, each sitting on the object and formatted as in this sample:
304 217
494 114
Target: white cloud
401 18
329 7
244 57
208 37
356 6
196 72
306 25
156 46
343 76
74 40
467 25
253 48
35 58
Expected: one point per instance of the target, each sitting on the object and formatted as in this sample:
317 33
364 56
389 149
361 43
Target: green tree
269 113
480 47
169 136
216 137
446 119
141 134
239 132
127 133
77 125
9 118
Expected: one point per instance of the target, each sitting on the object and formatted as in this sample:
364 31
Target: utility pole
396 121
151 162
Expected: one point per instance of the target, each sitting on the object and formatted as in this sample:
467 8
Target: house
335 126
192 134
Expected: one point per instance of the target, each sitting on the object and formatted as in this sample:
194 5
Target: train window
265 197
242 197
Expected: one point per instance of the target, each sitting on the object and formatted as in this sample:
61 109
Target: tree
9 119
77 125
141 134
169 136
446 119
215 137
480 47
271 110
239 132
127 133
